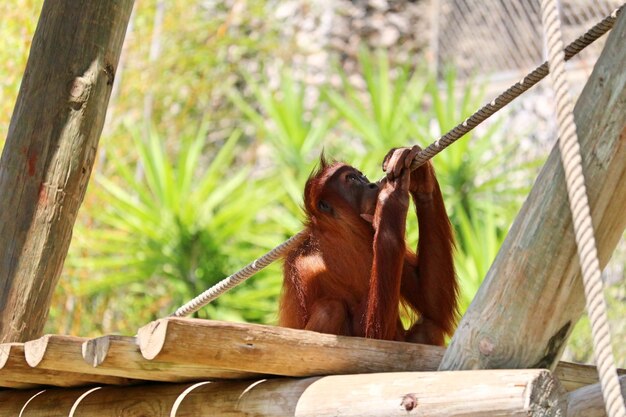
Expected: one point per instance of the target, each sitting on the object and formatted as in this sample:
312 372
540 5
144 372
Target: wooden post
50 149
533 295
588 401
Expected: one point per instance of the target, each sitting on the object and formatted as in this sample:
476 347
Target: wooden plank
485 393
588 401
575 375
278 351
120 356
16 373
533 294
62 355
50 149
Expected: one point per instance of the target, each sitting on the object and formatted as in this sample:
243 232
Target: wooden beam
533 294
63 354
50 150
575 375
185 350
485 393
185 344
277 351
120 356
588 401
16 373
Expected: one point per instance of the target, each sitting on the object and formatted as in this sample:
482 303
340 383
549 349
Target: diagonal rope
238 277
514 91
433 149
581 213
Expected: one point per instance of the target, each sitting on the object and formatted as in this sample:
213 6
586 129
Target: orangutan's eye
323 206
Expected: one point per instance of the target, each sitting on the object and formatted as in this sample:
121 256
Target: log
485 393
12 402
575 375
533 294
63 354
16 373
120 356
50 150
72 361
49 403
277 351
588 401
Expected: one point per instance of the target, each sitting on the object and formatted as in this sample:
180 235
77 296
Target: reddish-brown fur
353 272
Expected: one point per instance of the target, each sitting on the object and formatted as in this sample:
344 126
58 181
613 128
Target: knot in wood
79 92
409 402
486 346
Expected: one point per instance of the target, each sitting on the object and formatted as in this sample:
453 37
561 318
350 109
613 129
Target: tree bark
533 293
50 149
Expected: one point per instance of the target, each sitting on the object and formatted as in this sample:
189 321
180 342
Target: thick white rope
581 215
433 149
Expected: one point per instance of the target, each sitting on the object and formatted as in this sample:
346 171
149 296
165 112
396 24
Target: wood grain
63 354
575 375
436 394
278 351
16 373
588 401
120 356
186 350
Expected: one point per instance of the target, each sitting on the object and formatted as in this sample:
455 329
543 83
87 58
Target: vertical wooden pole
533 295
50 149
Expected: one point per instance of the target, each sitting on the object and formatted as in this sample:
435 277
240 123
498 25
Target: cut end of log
545 394
152 338
5 352
35 350
95 350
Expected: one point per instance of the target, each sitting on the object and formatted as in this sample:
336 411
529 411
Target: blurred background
220 110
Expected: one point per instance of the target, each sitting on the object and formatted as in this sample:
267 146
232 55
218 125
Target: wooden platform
191 355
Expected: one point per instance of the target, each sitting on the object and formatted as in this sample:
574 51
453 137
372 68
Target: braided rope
579 205
238 277
433 149
514 91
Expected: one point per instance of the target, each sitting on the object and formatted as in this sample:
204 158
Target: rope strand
581 213
433 149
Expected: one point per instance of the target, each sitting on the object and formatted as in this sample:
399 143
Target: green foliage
294 135
479 172
292 131
177 70
170 222
478 241
19 19
380 114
